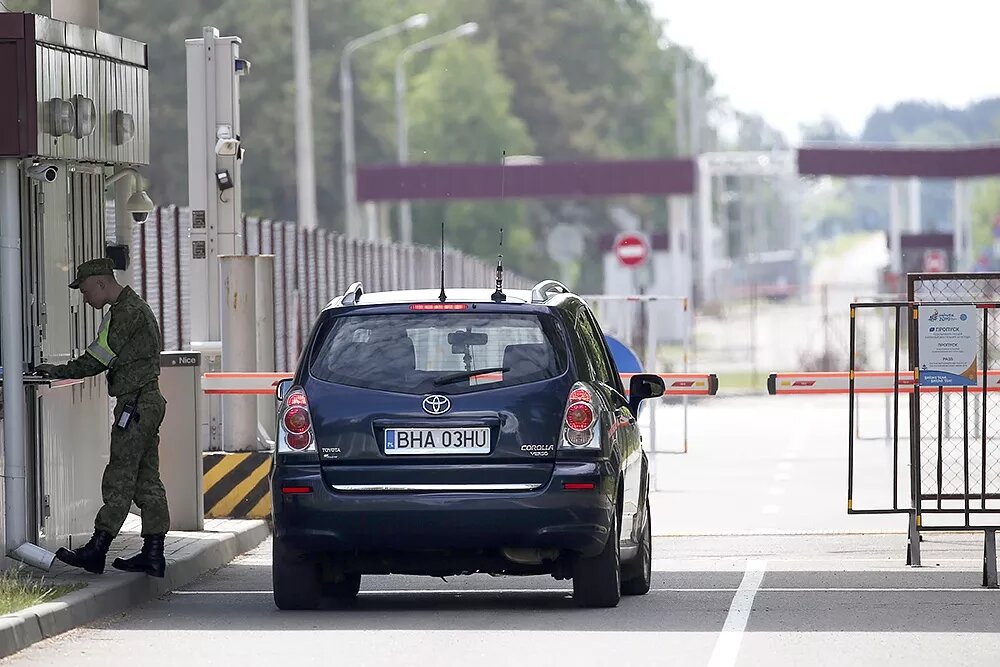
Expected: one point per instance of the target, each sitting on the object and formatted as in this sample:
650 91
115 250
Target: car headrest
526 359
356 359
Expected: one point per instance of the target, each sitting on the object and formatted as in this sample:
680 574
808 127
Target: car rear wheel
597 580
637 575
344 590
296 581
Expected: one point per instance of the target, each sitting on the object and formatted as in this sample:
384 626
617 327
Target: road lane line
727 647
770 509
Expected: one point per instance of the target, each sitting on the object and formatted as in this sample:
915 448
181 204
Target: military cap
103 266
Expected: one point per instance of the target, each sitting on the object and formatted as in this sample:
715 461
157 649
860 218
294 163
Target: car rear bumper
550 517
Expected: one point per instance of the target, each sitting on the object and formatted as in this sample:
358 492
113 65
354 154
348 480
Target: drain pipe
11 329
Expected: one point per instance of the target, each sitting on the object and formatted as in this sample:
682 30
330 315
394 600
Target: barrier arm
865 382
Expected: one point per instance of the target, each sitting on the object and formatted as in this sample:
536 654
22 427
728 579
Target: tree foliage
563 79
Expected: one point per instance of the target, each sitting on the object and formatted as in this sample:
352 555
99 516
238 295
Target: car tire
295 581
597 580
637 575
345 590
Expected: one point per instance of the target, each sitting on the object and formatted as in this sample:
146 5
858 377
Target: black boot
90 556
150 560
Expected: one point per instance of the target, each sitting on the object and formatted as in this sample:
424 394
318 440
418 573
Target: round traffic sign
631 248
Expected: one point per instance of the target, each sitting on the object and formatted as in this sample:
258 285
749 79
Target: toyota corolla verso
471 434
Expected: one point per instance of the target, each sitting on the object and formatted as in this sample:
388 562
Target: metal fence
947 476
310 269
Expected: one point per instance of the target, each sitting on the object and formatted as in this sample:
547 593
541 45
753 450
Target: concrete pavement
756 563
830 600
188 554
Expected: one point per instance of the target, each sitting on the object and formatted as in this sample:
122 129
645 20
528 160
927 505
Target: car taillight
296 423
580 416
581 419
298 441
296 420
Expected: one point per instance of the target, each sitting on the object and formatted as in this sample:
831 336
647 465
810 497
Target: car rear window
422 353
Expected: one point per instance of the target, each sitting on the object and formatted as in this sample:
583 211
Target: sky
797 61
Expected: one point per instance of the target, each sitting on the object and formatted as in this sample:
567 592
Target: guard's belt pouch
129 414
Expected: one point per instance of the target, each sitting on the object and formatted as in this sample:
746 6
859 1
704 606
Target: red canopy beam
564 180
900 162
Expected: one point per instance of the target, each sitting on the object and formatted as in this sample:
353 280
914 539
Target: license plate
440 441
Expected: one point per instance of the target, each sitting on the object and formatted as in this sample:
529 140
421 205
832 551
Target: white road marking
776 491
770 509
785 465
727 647
782 477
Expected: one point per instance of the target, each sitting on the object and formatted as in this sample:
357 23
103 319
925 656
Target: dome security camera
139 206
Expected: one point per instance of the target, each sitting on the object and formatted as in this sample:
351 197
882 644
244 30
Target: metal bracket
990 559
913 542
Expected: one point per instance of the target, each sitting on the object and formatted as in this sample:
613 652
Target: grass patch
18 590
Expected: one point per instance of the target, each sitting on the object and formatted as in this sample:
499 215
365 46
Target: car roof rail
353 294
541 292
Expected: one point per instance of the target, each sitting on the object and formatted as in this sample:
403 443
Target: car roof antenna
442 297
498 296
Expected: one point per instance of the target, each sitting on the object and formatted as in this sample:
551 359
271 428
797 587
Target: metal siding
184 223
280 298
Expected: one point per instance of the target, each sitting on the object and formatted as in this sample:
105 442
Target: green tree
461 113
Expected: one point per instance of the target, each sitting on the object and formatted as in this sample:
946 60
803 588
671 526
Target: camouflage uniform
128 348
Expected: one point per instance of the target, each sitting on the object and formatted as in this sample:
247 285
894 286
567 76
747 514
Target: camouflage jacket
127 347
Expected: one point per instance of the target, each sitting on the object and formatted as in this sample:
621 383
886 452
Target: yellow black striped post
236 485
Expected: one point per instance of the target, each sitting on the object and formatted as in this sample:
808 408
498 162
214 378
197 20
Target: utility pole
305 171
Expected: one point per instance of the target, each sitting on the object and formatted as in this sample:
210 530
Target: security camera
139 206
227 147
44 172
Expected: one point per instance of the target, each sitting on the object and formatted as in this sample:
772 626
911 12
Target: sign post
947 346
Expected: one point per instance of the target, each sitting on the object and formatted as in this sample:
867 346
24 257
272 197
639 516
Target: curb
108 595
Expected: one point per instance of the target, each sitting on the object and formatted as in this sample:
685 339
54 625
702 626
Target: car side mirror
643 386
282 389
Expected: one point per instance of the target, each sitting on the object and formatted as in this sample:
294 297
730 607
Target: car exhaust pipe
529 556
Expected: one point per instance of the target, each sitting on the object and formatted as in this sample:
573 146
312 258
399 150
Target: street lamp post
351 221
402 127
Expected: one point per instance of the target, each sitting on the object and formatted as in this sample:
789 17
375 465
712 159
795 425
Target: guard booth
74 120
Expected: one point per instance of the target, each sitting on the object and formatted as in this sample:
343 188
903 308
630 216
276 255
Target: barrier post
264 316
239 349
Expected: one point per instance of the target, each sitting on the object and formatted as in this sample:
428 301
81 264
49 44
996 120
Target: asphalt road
756 563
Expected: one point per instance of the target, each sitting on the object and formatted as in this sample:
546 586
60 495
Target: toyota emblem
437 404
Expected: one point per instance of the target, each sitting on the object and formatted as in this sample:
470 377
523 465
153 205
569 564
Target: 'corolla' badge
436 404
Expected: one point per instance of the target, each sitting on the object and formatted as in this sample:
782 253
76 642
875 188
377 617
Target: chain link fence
947 421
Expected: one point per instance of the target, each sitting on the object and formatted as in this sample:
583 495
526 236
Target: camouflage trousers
133 472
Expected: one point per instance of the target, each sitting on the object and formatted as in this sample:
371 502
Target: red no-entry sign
631 249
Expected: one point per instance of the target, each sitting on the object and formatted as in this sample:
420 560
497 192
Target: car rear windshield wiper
458 377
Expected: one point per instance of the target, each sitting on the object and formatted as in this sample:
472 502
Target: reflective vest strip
100 349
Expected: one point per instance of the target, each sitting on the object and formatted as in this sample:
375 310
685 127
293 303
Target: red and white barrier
865 382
